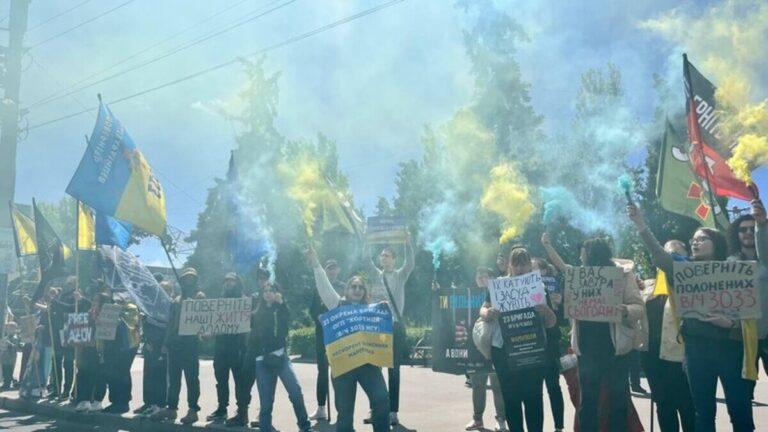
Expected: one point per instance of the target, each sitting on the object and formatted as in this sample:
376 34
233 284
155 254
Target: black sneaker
116 409
142 409
218 415
239 420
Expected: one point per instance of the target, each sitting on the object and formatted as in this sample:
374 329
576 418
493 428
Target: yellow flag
23 233
662 287
86 228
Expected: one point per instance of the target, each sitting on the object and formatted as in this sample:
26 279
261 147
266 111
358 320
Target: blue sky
371 85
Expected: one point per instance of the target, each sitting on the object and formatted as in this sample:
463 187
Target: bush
301 341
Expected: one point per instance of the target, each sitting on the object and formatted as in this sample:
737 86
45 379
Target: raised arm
557 261
370 266
659 256
328 295
761 231
410 260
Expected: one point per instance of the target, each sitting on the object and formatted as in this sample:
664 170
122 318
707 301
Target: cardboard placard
106 322
454 312
355 335
594 293
77 330
726 288
519 292
210 317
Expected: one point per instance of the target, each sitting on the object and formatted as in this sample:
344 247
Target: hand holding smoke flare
626 186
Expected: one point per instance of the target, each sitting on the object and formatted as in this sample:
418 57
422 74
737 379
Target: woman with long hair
521 388
603 348
715 344
368 376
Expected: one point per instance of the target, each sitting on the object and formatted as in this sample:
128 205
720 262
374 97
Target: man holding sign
517 306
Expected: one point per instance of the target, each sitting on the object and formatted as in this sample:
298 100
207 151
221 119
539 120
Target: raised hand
758 211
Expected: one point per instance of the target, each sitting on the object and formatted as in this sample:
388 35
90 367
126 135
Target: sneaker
164 414
83 406
116 409
474 425
320 414
637 388
218 415
95 406
393 421
150 411
239 420
141 410
190 418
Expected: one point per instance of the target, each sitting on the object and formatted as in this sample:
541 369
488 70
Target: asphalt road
429 402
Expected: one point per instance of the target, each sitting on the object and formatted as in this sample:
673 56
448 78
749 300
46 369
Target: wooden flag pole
170 261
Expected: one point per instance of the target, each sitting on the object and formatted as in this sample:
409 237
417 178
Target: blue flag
112 232
114 178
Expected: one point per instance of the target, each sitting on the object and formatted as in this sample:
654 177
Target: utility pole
9 134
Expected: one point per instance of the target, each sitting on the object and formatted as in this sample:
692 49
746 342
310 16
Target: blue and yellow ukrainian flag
23 232
114 179
86 228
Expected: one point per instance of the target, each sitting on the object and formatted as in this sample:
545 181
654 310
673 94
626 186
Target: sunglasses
357 286
701 239
744 230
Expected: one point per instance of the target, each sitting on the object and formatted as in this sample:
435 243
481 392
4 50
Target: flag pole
170 261
77 289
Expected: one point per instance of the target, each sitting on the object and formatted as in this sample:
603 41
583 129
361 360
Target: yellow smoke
507 194
307 186
727 43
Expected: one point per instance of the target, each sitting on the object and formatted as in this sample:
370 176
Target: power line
71 90
88 21
50 97
47 20
233 61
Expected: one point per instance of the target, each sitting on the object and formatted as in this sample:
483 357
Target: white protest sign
106 322
208 317
519 292
594 293
726 288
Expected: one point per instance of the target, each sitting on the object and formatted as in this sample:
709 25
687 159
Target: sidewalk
429 402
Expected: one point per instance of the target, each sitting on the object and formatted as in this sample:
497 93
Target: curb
141 424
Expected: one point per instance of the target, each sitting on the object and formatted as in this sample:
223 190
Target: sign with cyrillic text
454 312
355 335
518 292
725 288
210 317
594 293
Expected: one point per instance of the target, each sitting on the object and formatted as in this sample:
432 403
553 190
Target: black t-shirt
595 339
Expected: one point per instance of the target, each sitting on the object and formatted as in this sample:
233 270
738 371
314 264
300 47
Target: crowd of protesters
683 360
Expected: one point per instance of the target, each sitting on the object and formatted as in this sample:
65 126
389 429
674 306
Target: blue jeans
371 380
706 361
266 383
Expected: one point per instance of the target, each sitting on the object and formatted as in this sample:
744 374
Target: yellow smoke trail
727 42
307 186
508 195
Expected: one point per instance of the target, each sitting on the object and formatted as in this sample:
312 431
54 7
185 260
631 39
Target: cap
189 271
231 276
331 263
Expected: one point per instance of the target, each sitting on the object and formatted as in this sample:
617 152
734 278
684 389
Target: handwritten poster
727 288
594 293
210 317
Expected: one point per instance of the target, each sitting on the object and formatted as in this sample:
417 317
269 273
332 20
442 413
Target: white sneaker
320 413
393 419
95 406
83 406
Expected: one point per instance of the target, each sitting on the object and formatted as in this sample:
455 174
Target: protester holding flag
368 376
183 356
228 354
603 348
317 308
521 388
64 358
388 284
9 347
41 357
716 347
155 371
743 243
